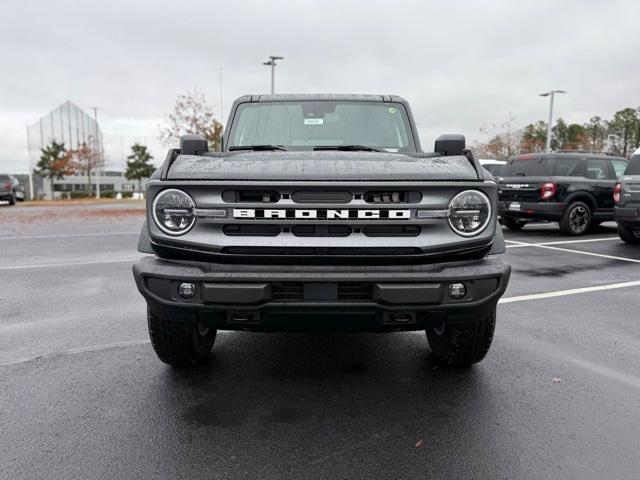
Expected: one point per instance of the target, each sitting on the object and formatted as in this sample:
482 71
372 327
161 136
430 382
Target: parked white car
495 167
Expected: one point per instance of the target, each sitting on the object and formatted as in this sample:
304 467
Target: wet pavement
82 394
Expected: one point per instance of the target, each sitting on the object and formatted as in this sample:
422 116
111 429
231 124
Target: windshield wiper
347 148
256 147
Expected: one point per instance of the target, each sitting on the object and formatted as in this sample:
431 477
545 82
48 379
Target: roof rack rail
592 152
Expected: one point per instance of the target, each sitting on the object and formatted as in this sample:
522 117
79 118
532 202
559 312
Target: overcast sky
461 64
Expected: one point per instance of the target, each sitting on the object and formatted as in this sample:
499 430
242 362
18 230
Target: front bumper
257 297
532 210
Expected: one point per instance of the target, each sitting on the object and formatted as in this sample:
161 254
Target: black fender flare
582 196
144 241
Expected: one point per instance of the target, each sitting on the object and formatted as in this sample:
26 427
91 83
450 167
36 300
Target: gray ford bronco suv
321 212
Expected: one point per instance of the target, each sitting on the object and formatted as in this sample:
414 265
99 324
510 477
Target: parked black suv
627 198
575 189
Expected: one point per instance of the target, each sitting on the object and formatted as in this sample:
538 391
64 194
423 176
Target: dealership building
72 126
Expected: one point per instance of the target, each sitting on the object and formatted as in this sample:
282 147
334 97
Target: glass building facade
66 124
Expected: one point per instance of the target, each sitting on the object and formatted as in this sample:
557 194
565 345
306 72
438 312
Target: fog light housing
186 290
457 290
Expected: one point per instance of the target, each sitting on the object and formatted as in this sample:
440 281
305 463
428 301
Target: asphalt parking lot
82 394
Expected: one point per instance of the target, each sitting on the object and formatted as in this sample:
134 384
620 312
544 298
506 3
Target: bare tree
86 159
504 141
192 115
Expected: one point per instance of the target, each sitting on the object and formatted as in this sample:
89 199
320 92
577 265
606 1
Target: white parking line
540 347
517 244
75 351
69 264
70 235
580 252
572 291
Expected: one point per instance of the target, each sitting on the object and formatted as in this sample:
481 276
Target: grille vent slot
305 196
392 196
294 291
321 230
251 230
251 196
284 291
391 230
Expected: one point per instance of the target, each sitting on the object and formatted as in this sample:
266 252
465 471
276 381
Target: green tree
55 163
138 166
623 128
534 137
568 136
596 133
192 115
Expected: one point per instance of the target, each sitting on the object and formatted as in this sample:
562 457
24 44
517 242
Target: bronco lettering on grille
322 214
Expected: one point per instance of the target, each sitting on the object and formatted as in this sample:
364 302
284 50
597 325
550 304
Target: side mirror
450 144
193 144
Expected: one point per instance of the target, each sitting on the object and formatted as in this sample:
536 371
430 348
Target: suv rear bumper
626 215
263 297
533 210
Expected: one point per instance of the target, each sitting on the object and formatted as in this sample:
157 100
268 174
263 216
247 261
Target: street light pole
550 94
96 152
272 63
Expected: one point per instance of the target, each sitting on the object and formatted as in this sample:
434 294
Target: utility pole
29 169
221 104
550 94
272 63
97 152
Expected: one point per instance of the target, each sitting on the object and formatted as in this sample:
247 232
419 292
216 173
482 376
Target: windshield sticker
391 110
313 121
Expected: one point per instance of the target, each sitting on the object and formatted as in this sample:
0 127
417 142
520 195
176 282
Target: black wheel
576 220
512 223
180 344
628 234
462 344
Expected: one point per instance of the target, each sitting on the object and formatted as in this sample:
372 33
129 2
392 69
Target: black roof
292 97
568 154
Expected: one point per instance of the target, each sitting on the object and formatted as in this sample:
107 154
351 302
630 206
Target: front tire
180 344
512 223
576 220
465 343
626 233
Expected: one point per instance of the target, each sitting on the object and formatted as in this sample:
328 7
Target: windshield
304 125
634 166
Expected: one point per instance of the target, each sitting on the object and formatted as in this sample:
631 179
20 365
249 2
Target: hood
321 165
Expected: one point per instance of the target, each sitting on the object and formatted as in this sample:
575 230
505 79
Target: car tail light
616 192
548 190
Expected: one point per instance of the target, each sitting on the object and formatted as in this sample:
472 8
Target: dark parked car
321 212
574 189
627 199
10 189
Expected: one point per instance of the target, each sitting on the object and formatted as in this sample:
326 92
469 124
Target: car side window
619 166
569 167
597 169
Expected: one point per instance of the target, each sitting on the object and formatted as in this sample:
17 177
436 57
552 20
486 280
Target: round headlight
469 213
173 211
